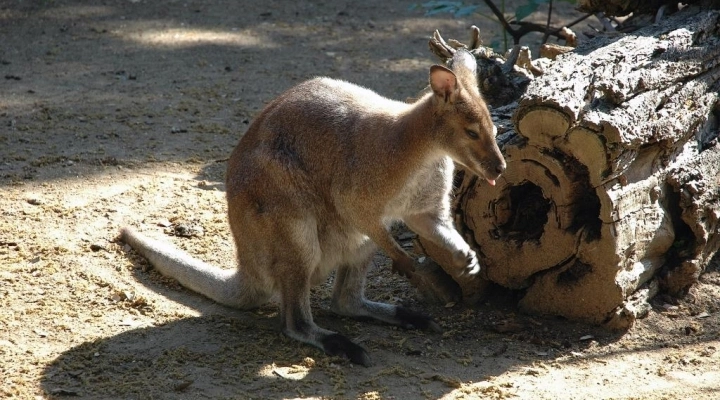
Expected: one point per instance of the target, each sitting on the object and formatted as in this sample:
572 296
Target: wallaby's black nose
500 168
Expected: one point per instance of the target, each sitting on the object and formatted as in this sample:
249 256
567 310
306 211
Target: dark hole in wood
683 248
528 213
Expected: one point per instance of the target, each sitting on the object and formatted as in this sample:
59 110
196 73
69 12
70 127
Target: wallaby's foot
332 343
297 323
396 315
338 345
410 319
466 262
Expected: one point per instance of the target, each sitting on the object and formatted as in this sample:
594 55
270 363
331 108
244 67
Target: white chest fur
426 190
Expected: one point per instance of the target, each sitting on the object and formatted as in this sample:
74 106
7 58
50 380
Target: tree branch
526 27
547 26
503 21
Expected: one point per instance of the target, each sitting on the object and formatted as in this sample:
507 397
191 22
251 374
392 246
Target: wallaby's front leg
442 232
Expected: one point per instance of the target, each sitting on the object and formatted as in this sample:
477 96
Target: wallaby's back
326 134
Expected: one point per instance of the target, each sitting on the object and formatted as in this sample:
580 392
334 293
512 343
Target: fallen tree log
612 179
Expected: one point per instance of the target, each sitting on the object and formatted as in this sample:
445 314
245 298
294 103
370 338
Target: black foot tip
338 345
414 319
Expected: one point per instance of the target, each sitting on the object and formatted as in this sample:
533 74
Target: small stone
183 385
40 333
188 230
65 392
96 247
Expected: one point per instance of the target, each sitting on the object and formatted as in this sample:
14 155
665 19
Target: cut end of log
532 220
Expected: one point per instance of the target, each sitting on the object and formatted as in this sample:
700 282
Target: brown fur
316 182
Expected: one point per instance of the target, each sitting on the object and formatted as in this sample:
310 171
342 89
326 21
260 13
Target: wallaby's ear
443 82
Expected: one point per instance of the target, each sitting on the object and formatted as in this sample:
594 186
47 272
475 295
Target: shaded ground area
123 112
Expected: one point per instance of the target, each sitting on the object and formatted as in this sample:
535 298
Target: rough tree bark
613 178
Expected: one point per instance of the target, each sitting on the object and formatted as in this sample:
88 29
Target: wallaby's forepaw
404 267
412 319
473 267
338 345
468 263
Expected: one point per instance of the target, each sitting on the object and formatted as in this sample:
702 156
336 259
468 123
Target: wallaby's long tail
219 284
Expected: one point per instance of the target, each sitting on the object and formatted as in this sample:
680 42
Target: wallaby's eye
472 134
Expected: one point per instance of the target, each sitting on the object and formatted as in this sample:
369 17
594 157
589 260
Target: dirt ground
124 111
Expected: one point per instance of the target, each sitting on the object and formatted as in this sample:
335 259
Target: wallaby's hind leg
288 269
349 298
297 323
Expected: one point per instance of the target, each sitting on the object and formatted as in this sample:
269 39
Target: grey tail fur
221 285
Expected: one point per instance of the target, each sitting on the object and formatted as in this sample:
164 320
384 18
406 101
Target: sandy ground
124 112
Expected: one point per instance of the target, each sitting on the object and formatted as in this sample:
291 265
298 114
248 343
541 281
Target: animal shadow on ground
228 353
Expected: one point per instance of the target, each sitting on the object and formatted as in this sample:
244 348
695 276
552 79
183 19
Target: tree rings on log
541 125
588 148
525 223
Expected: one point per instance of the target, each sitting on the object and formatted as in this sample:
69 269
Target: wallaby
316 182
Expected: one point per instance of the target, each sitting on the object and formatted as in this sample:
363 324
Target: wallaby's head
463 122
